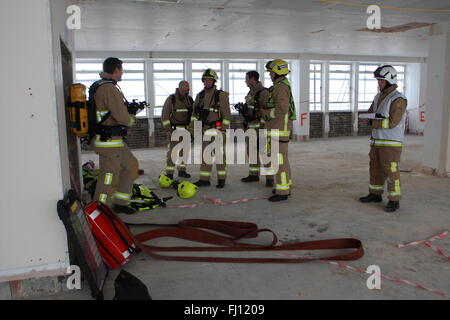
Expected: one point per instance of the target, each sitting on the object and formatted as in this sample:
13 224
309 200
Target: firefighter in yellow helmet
280 114
212 108
118 166
176 115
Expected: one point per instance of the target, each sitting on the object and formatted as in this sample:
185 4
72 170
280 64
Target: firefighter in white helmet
387 139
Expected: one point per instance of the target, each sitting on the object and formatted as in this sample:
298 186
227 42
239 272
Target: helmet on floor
165 181
279 66
387 73
142 198
186 190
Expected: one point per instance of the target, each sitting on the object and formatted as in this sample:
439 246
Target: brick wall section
137 137
316 125
237 121
161 140
340 124
364 129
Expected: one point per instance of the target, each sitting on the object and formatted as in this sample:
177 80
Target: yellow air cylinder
78 111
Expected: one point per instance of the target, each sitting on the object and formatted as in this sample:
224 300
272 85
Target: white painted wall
437 131
32 238
415 91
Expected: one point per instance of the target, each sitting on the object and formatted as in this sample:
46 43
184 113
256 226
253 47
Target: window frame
313 91
329 79
154 108
142 114
239 70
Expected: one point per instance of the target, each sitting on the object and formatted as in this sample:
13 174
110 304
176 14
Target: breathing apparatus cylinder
78 110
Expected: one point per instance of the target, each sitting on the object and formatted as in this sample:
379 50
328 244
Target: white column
326 98
148 67
302 103
225 76
354 97
437 131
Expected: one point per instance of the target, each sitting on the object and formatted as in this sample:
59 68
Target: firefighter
118 167
388 129
176 115
212 108
256 101
280 114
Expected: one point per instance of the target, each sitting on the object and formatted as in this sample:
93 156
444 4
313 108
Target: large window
315 87
132 84
367 86
166 78
197 71
236 77
339 87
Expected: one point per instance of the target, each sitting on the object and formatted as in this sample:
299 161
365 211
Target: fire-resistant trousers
170 164
254 168
283 177
220 158
117 172
384 165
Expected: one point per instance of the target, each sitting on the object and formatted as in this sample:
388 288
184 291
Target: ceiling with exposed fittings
275 26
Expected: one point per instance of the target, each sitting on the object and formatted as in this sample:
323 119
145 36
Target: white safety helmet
387 73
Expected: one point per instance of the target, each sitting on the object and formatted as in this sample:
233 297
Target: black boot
269 183
250 178
123 209
392 206
184 174
274 192
220 184
278 197
371 198
202 183
169 175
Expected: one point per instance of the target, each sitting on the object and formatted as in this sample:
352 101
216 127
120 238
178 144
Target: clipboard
371 116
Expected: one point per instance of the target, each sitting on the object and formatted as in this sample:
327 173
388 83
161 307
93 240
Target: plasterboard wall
32 238
416 84
436 125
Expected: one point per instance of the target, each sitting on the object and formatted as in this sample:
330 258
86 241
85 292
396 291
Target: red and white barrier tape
216 202
398 280
436 237
428 245
220 203
358 270
190 205
437 250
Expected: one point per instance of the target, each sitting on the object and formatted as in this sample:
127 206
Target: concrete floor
329 175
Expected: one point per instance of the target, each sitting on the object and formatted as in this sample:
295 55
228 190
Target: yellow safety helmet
165 181
279 66
186 190
210 74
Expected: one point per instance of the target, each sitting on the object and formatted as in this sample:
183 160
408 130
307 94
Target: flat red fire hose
233 231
